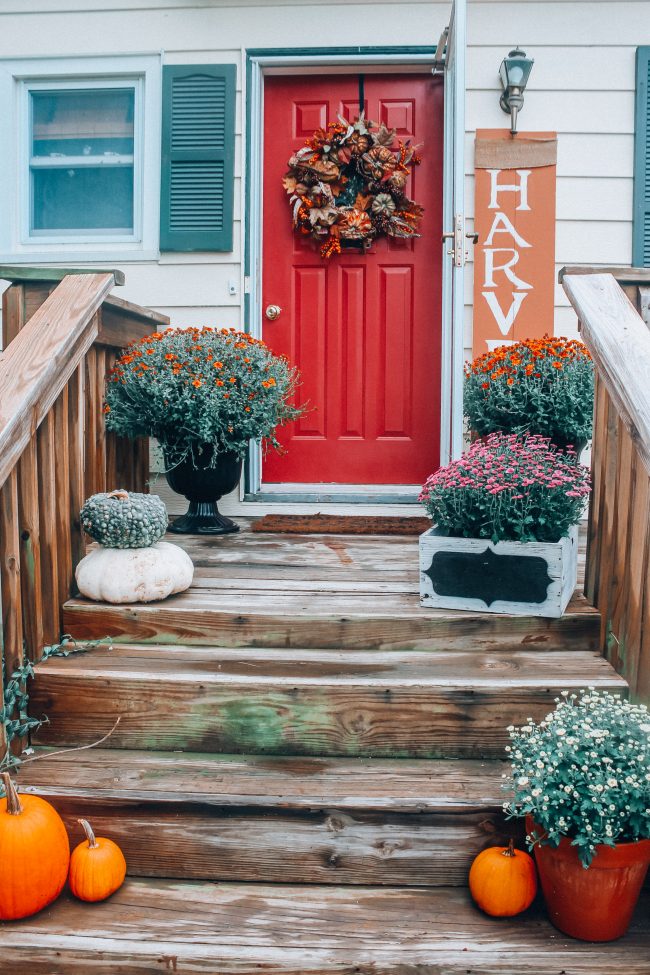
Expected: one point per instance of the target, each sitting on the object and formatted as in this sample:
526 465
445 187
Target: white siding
582 85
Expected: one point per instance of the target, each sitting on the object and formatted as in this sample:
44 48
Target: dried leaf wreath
347 184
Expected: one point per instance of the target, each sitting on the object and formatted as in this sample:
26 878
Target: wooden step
307 618
169 926
320 702
304 820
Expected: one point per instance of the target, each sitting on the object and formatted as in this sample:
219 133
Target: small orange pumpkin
34 853
97 867
503 881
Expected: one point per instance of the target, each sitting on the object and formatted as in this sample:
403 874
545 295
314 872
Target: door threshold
336 493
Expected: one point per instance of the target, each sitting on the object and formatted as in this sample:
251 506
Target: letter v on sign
505 322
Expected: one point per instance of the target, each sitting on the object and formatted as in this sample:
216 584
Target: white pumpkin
134 575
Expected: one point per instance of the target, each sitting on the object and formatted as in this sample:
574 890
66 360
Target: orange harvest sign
514 217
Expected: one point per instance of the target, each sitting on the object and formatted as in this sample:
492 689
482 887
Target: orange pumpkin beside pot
503 881
97 867
34 853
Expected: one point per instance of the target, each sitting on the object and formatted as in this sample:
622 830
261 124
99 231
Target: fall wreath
347 185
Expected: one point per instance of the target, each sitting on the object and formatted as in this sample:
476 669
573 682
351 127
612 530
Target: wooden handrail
62 333
617 578
619 343
635 282
39 362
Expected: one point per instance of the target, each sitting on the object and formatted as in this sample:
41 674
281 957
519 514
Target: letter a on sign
514 260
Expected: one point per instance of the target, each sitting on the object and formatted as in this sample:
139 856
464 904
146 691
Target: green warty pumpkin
123 520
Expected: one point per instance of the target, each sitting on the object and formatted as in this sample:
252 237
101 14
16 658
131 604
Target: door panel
363 328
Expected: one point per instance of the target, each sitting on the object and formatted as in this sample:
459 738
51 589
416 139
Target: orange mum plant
543 386
208 386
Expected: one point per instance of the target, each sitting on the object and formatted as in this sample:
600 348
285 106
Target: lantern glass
515 70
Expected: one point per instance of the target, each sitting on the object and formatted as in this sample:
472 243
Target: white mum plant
584 772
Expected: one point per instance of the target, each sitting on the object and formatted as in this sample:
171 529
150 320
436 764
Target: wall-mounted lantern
514 72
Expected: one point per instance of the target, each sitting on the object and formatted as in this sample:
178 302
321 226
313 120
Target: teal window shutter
641 218
198 155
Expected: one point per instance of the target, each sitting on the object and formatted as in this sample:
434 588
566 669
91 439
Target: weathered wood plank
36 292
625 477
47 513
619 342
77 458
318 620
224 818
62 481
598 454
124 322
140 448
39 362
242 929
293 784
11 637
607 519
92 473
19 272
30 551
13 313
392 704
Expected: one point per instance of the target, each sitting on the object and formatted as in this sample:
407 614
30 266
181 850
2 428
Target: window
85 158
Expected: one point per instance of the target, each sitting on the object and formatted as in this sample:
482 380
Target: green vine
14 718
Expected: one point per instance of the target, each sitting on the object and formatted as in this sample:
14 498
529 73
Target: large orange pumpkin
34 853
97 867
503 881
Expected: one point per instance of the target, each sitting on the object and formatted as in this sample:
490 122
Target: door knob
272 312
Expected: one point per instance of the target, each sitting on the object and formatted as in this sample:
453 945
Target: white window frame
18 79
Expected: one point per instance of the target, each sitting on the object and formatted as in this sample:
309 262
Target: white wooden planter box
519 578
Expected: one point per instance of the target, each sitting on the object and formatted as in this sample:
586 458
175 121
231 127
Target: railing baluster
112 447
76 444
90 476
62 480
47 503
30 550
10 594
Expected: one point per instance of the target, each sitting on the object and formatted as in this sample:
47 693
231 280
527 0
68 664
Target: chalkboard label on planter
488 576
478 575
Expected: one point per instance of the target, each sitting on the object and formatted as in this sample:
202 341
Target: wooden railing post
617 578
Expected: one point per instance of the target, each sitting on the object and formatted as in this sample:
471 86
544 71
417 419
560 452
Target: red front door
363 328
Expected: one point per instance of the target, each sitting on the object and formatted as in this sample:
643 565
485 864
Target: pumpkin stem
90 836
14 807
510 849
119 494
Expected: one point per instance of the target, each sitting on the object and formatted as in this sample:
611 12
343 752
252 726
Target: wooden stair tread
321 702
259 617
336 591
286 782
261 666
250 818
156 926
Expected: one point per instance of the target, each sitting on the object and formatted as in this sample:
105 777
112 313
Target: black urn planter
203 486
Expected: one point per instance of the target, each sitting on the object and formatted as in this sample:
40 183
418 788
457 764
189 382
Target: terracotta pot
595 904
